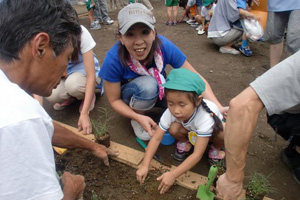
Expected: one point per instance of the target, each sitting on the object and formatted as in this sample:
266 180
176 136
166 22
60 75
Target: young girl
191 120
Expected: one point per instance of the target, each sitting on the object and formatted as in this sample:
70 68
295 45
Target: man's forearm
65 138
241 121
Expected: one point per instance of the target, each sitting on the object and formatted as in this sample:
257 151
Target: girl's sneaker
95 25
169 23
215 155
246 51
174 23
182 151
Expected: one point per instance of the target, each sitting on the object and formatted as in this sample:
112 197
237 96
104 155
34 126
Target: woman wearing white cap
134 69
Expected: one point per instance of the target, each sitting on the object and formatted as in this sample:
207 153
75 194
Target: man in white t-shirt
37 40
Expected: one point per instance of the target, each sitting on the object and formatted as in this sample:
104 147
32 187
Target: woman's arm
113 92
208 94
168 178
84 122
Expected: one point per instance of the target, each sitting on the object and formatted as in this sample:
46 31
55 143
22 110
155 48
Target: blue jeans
141 93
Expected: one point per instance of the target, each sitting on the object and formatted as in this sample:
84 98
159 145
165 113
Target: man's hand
227 189
73 186
102 152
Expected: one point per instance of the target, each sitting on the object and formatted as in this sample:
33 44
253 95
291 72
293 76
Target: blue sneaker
246 51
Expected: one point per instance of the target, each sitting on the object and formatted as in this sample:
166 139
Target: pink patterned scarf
140 69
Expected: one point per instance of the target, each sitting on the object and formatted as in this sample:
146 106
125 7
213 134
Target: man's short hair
21 20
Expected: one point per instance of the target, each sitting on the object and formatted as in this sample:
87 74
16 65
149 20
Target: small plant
258 187
95 196
101 126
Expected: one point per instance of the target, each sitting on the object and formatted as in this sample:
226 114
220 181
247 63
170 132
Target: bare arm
113 92
168 178
241 121
65 138
142 172
84 122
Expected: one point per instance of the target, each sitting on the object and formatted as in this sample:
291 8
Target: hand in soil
227 189
73 186
167 180
102 152
141 174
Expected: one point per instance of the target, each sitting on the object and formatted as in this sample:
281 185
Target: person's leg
178 132
75 85
244 48
275 53
104 12
175 14
287 126
169 14
293 30
225 43
275 27
141 93
59 94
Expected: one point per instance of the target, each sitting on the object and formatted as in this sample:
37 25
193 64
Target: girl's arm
113 92
168 178
142 172
208 94
84 122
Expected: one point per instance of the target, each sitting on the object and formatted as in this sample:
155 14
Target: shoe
91 106
291 158
182 151
63 105
108 21
215 155
169 23
95 26
246 51
199 27
194 25
229 50
174 23
201 32
190 21
139 131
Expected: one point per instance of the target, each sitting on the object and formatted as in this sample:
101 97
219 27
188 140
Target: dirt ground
227 74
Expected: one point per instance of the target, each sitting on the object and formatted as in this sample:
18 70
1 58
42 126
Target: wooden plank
127 155
190 180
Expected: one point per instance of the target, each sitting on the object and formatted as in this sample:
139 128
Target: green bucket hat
184 80
206 2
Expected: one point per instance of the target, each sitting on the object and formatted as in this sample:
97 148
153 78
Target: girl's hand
141 174
224 111
257 18
84 124
167 180
148 124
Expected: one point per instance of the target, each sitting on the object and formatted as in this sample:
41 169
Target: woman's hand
167 180
141 174
147 123
84 124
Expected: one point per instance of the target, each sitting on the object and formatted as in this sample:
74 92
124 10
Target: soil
227 74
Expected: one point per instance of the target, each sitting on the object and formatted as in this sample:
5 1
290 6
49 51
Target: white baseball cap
132 14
